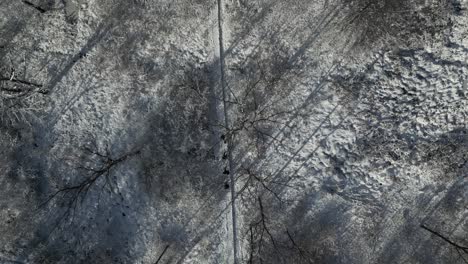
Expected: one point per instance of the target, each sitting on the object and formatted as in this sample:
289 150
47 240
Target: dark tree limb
463 248
265 227
162 254
38 8
304 254
21 81
253 176
82 188
460 249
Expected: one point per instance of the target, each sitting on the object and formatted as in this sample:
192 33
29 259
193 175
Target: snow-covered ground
347 129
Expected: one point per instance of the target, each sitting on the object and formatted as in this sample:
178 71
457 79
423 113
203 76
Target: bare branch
38 8
80 190
460 249
162 254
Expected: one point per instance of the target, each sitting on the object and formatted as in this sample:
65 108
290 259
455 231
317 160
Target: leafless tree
98 173
17 105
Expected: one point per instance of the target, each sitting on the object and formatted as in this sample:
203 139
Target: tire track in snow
227 126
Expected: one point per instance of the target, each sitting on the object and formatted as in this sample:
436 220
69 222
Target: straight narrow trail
227 127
